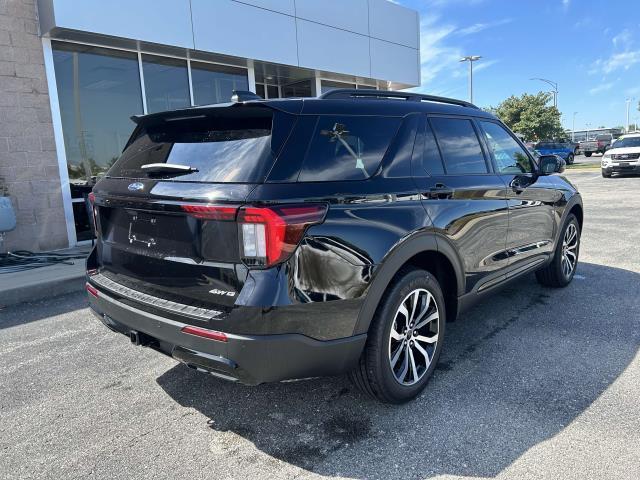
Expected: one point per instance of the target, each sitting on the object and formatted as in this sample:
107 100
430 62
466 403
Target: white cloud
566 4
603 87
619 61
478 27
623 40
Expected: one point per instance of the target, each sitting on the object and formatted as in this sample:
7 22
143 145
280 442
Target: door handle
440 191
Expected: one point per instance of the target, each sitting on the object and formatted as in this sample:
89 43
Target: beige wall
28 160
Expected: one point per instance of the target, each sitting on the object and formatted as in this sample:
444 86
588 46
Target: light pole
471 59
573 127
555 89
628 102
587 134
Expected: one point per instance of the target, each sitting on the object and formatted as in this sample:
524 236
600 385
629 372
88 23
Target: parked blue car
564 150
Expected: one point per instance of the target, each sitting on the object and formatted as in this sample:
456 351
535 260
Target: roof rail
349 93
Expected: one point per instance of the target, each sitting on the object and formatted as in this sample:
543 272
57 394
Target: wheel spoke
395 334
422 338
396 355
413 365
403 311
415 296
405 365
424 353
571 254
429 319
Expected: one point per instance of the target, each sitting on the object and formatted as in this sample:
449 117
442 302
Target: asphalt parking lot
533 383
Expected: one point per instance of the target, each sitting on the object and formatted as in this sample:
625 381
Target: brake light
211 212
93 291
270 234
205 333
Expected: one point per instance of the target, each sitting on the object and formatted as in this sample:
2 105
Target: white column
251 76
56 119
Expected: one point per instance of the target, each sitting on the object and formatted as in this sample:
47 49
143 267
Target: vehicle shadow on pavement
515 371
24 313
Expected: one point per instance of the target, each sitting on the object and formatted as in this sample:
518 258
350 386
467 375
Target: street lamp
470 59
587 134
555 89
573 127
628 102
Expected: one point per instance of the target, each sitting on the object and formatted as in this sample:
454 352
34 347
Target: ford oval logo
136 187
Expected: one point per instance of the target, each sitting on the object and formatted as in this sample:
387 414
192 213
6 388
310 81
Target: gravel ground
532 383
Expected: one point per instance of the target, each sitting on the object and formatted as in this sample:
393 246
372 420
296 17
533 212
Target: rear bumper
250 359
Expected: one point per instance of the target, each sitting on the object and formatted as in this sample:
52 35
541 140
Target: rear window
231 146
347 147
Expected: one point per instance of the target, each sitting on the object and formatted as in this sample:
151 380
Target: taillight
93 291
211 212
270 234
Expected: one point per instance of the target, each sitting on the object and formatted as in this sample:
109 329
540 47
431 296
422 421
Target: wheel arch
421 251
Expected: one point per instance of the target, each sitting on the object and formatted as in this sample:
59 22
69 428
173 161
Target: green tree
531 116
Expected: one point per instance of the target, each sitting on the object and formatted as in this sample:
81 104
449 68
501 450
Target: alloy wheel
570 250
413 337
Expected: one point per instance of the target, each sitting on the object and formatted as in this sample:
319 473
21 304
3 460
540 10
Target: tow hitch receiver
140 339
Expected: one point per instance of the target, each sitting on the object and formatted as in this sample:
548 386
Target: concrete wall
368 38
28 159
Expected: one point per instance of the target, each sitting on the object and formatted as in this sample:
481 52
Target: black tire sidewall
379 366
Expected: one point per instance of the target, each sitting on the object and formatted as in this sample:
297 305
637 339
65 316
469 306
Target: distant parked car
623 156
599 144
566 151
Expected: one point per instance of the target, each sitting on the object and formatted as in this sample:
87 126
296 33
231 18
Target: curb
45 289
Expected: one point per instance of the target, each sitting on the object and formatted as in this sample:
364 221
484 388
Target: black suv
268 240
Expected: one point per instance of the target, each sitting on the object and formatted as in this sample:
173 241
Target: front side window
509 155
347 147
459 145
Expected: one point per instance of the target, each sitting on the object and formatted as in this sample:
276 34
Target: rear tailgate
171 236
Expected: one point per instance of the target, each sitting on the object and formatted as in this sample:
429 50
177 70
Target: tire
570 159
605 174
375 374
557 274
588 154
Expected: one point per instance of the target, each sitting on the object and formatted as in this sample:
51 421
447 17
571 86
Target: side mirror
608 147
551 164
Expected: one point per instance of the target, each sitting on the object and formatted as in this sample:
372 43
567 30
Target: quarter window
347 148
459 145
509 155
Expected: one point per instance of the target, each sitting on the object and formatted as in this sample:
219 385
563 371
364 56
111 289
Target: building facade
72 73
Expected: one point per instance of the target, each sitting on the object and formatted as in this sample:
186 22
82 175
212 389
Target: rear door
463 196
531 198
172 234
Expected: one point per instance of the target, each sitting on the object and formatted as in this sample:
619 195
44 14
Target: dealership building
72 73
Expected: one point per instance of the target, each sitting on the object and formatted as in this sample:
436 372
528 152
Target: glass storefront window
98 90
215 83
298 89
166 83
328 85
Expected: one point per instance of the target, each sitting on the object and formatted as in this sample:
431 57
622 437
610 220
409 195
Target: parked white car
623 156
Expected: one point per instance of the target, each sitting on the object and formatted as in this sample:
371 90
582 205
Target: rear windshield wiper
168 168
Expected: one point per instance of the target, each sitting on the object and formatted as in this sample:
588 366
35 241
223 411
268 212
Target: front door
463 197
531 198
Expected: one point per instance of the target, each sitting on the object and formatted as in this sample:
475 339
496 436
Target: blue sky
591 48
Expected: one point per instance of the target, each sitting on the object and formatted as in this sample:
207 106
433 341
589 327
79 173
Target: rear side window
233 145
459 145
431 159
347 147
